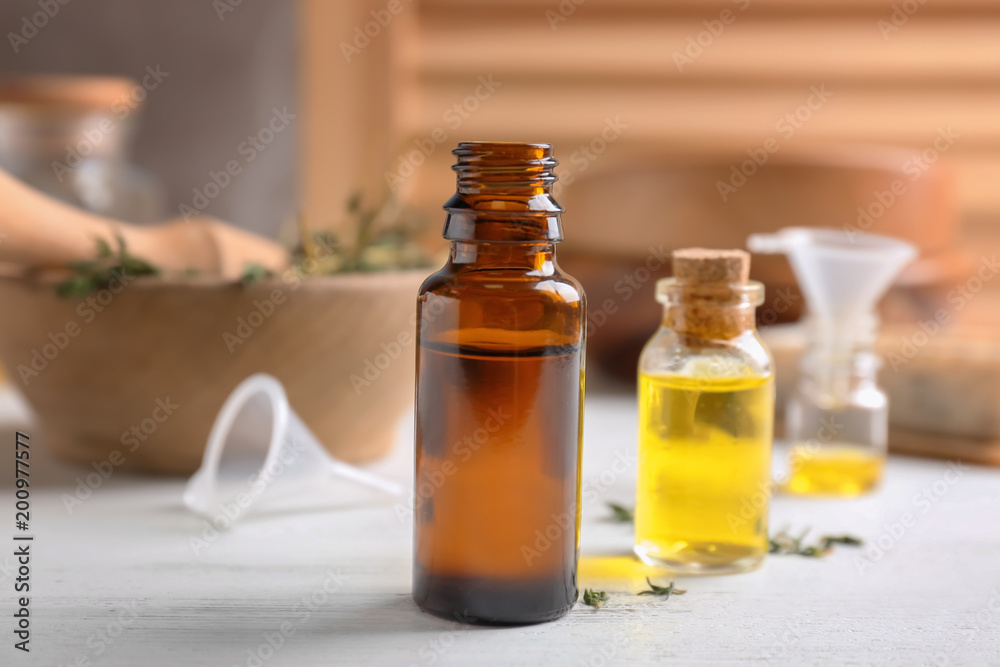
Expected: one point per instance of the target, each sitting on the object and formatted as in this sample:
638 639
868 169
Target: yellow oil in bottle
834 469
704 471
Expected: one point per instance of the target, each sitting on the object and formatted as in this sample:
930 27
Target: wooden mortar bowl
160 343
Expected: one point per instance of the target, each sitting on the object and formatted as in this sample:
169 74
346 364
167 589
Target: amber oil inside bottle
499 400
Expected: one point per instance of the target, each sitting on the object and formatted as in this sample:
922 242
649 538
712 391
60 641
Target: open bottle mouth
485 166
503 194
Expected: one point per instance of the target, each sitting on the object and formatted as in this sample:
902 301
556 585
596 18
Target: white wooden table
117 581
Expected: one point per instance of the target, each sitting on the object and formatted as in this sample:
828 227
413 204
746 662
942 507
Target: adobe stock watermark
122 107
914 167
263 309
163 409
783 300
626 287
461 452
88 309
563 524
32 24
957 298
434 649
372 367
714 28
608 652
104 638
786 126
900 16
586 154
248 324
453 117
922 501
225 7
562 12
751 506
984 620
370 30
231 510
273 641
791 634
247 151
630 283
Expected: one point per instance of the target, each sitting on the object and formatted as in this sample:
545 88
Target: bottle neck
840 357
504 195
533 258
709 322
712 311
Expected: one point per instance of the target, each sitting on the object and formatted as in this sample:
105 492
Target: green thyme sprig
253 273
663 591
847 540
383 237
92 275
595 599
622 514
782 543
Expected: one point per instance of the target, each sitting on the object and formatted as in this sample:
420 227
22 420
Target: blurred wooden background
565 67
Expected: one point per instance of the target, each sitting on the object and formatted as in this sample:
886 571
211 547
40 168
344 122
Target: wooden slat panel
673 6
958 52
942 69
519 13
615 58
719 116
976 180
351 108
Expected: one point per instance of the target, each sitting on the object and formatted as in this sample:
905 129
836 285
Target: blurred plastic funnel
837 421
842 274
260 452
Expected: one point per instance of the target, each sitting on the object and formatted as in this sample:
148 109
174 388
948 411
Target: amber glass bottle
500 340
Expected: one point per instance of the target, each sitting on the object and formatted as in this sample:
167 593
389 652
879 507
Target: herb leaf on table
783 543
848 540
622 514
595 599
663 591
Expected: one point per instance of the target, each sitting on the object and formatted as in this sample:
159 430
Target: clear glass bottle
71 138
706 416
837 422
500 375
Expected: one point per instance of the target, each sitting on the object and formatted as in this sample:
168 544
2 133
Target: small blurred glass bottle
70 137
706 416
837 420
499 401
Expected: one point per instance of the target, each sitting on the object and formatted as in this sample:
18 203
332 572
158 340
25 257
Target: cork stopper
709 296
704 265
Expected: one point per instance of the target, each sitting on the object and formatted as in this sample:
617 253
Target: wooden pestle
39 231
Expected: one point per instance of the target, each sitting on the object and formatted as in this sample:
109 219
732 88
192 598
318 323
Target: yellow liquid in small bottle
704 472
834 470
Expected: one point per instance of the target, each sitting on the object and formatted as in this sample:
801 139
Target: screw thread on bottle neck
519 170
503 194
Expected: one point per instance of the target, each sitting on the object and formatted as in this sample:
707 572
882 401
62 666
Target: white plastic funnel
294 462
841 274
